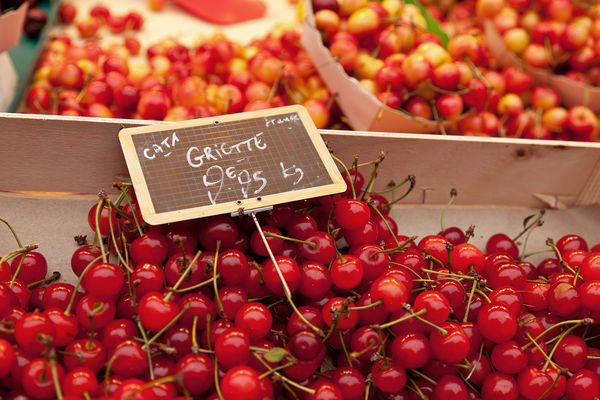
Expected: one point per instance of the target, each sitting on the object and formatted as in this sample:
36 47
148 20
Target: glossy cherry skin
346 321
533 383
83 256
33 268
563 299
117 331
374 261
104 224
350 382
258 245
305 345
232 299
37 379
147 278
368 234
311 314
175 267
571 242
571 353
351 214
103 281
154 312
452 347
435 246
388 376
241 383
255 319
438 308
34 332
584 385
78 381
411 350
187 238
508 357
7 358
496 323
315 279
499 386
151 247
502 244
217 228
467 257
301 225
91 309
346 272
85 353
57 295
232 347
454 235
590 268
233 266
322 250
128 359
199 305
66 327
290 271
450 387
393 293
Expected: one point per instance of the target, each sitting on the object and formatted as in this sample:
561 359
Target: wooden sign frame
294 118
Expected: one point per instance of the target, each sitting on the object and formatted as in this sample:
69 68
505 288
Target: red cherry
33 268
346 271
438 308
152 248
410 350
388 376
118 331
175 268
315 280
496 323
241 383
350 382
499 386
323 250
104 217
275 243
104 281
155 312
90 309
83 256
346 320
393 293
502 244
534 383
7 358
351 214
78 381
37 378
452 347
219 227
255 319
466 256
87 353
584 385
34 332
65 326
128 359
233 266
305 345
197 373
450 387
289 270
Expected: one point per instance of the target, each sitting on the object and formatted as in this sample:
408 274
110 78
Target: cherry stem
78 284
22 250
348 358
532 341
125 193
562 262
533 224
453 194
401 319
584 321
114 240
560 338
444 91
410 188
393 187
147 346
415 389
255 265
350 180
371 182
55 381
282 377
286 289
55 276
480 76
185 273
387 225
291 239
366 307
196 286
12 231
422 375
164 379
171 322
216 375
439 120
469 301
533 253
439 328
195 346
398 248
97 219
220 308
275 85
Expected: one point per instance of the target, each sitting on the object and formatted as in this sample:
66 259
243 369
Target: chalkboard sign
217 165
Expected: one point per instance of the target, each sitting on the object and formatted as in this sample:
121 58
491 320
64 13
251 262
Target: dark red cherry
128 359
322 249
83 256
103 281
290 273
197 373
454 235
218 228
388 376
34 332
147 278
501 243
258 245
152 248
33 268
104 224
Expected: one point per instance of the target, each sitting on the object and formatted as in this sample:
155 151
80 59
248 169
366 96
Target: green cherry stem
184 275
283 377
196 286
22 250
350 180
387 225
366 307
55 381
562 262
291 239
147 346
410 189
217 385
348 358
286 289
12 231
401 319
55 276
453 194
99 207
393 187
220 308
163 330
78 284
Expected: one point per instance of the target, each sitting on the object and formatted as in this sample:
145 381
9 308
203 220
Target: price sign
222 164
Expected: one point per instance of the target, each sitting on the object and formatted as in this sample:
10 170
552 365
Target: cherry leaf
276 354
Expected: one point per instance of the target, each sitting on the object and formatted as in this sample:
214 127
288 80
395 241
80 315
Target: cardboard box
52 167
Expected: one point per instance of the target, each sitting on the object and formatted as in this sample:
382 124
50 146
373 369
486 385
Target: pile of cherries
198 309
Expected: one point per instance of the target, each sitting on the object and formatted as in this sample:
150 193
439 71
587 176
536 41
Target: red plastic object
224 12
